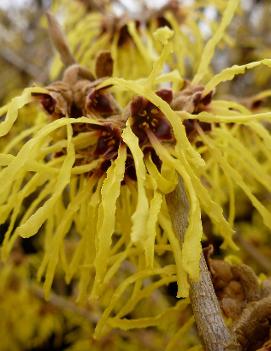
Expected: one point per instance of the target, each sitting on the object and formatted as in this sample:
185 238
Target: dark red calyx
76 112
149 150
201 102
47 102
99 102
60 153
124 35
163 22
190 127
165 94
146 116
130 170
191 99
105 165
256 104
108 142
206 100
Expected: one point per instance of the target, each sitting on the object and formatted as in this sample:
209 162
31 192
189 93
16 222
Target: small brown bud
104 64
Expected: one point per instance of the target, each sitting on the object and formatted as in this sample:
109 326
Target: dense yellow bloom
99 179
30 321
131 40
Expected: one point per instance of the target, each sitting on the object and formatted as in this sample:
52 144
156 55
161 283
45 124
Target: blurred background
26 53
25 50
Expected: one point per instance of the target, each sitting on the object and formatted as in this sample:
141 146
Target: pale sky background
130 3
8 3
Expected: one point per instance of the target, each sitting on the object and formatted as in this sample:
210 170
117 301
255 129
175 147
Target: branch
263 261
64 304
15 60
59 41
212 329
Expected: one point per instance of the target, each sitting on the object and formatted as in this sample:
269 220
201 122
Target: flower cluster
102 156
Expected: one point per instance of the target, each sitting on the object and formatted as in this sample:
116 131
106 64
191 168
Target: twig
63 303
15 60
263 261
212 329
59 41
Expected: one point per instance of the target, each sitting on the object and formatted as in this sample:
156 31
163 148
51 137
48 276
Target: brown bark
211 327
253 326
59 41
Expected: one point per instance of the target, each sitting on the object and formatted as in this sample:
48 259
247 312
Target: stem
263 261
63 303
211 327
59 41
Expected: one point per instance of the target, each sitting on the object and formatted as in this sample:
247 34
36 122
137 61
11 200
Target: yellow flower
98 174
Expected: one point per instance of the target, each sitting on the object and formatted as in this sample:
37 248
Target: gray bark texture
211 327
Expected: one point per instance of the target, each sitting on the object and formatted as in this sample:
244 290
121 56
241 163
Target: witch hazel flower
99 172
